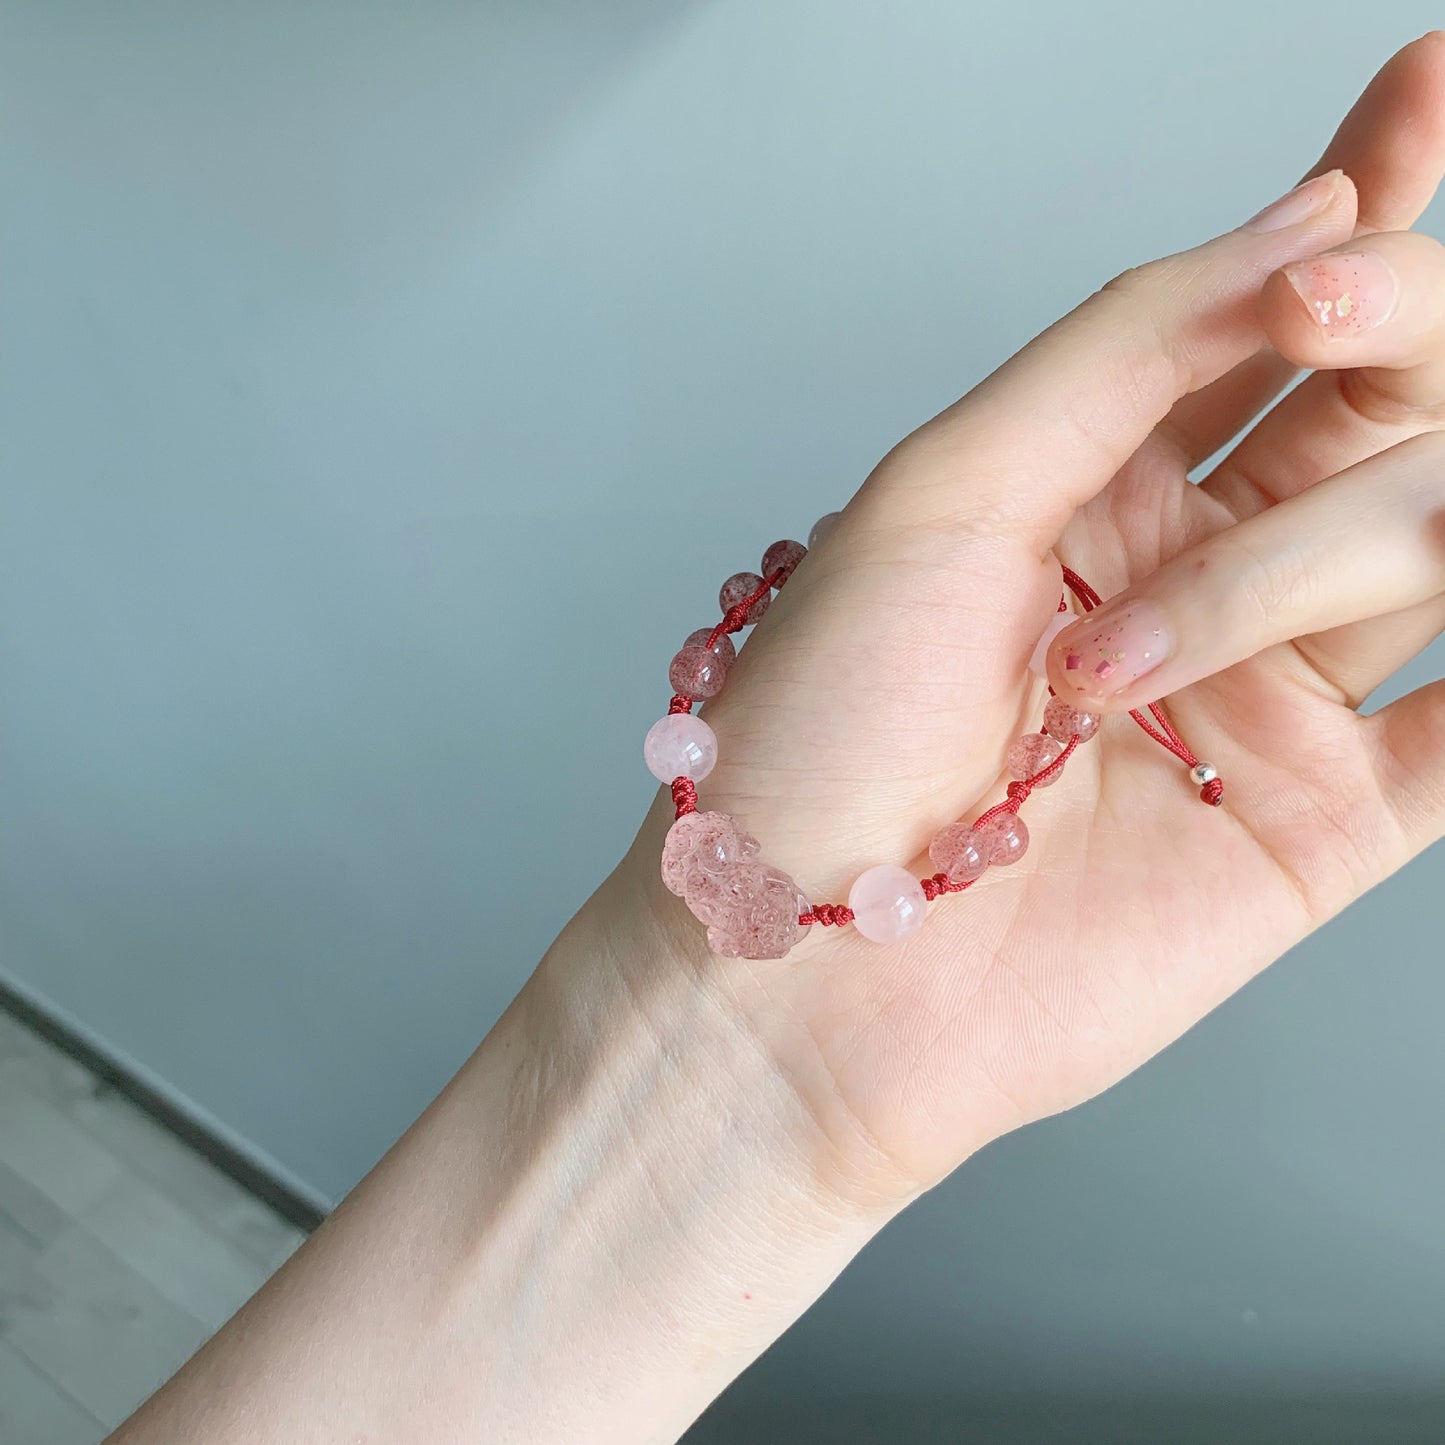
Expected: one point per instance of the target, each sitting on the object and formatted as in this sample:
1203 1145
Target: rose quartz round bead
958 851
1031 754
1006 837
782 557
888 903
1062 720
822 527
739 587
680 746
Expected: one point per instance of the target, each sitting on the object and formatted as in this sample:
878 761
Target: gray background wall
358 358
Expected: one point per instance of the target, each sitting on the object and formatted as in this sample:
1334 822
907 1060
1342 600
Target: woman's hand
658 1158
878 697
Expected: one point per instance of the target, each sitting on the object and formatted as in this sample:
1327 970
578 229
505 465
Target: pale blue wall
360 362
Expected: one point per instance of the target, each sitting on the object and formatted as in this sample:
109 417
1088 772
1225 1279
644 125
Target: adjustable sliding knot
684 796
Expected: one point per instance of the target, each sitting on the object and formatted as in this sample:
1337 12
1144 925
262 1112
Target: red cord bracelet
752 910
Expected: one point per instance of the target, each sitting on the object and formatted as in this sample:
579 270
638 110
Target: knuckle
1372 396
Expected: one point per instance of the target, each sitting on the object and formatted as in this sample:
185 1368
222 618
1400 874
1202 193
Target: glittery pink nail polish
1346 292
1105 653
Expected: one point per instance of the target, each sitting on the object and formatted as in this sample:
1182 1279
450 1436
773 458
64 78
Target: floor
121 1249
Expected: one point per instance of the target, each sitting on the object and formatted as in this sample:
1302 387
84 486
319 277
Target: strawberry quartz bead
1006 838
1063 721
888 903
680 746
699 670
701 844
782 557
1031 754
750 909
959 852
760 916
738 588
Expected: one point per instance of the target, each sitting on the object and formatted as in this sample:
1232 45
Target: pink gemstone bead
739 587
702 844
1031 754
1038 663
1062 720
723 647
782 557
697 671
958 851
822 527
1007 838
888 903
680 746
763 921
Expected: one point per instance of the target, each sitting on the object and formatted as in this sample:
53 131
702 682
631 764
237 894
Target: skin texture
659 1158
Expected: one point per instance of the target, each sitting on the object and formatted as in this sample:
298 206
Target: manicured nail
1111 649
1298 205
1346 292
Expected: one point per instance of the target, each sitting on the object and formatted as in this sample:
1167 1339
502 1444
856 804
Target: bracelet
753 910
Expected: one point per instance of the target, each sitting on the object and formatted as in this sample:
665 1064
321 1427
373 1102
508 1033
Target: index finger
1034 441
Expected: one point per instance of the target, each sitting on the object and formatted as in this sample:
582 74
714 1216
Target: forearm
616 1204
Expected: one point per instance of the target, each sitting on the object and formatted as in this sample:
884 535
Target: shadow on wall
1316 1419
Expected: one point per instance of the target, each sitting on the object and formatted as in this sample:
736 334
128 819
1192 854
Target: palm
1137 908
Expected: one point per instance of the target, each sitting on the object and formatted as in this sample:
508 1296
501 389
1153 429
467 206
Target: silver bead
1202 773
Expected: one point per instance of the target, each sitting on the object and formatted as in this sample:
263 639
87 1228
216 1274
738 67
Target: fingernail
1346 292
1298 205
1108 651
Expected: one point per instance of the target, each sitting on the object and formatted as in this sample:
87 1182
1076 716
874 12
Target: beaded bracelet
752 910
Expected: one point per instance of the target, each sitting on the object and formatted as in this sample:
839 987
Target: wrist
680 1204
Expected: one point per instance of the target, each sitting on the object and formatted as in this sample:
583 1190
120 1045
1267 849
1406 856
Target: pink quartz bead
739 587
697 671
888 903
958 851
722 646
822 527
1062 720
763 920
1031 754
701 844
782 557
1038 663
680 746
1007 838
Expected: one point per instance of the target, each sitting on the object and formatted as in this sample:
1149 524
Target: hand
878 697
658 1157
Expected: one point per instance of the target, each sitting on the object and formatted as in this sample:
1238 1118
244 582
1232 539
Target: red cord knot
1018 790
684 796
830 915
1213 792
736 617
679 703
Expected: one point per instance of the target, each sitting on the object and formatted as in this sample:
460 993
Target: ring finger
1370 319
